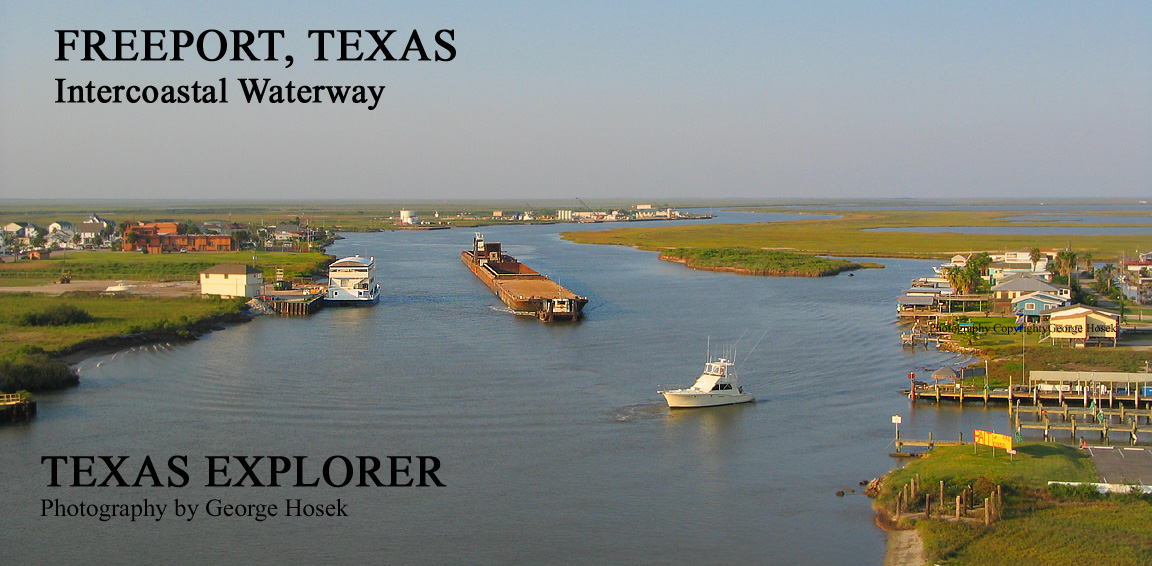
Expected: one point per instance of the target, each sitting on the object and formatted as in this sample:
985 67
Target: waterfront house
1018 286
1033 305
231 280
1080 325
912 304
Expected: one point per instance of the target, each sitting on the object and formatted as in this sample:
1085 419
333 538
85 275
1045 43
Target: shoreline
86 349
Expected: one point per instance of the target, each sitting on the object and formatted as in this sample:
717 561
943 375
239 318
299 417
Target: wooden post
897 514
987 516
941 497
999 498
957 508
927 506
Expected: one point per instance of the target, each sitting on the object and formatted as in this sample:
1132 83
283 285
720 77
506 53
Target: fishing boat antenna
752 350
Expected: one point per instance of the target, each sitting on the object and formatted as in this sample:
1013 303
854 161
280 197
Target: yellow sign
992 439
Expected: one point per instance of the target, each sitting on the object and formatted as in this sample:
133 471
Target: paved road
1123 465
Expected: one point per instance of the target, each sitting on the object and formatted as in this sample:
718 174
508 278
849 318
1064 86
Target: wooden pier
302 306
1025 393
15 407
930 443
1089 419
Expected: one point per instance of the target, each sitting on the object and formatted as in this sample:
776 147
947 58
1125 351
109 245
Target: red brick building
159 237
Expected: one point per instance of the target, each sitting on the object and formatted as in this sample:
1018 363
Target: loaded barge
522 288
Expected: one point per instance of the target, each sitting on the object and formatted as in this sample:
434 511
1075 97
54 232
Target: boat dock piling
296 306
1091 419
15 407
940 393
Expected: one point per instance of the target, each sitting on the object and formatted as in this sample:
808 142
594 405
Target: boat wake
638 412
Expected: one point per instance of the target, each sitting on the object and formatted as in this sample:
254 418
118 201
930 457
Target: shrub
56 315
34 372
1074 492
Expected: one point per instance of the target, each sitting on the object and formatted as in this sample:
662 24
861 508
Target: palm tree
1035 256
1065 263
1087 259
960 278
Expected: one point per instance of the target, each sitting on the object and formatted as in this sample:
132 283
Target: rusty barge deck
521 288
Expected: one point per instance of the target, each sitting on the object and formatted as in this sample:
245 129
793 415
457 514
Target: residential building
1080 325
1018 286
231 280
1033 305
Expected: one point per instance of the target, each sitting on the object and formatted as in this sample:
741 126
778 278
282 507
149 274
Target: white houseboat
352 281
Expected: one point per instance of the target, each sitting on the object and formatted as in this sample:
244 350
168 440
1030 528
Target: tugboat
718 385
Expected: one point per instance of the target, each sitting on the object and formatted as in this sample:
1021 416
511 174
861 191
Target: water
1083 218
554 444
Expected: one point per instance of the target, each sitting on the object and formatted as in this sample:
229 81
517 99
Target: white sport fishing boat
718 385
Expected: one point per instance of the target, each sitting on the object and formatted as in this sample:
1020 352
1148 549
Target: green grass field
1112 532
1034 465
848 236
1037 528
104 264
113 316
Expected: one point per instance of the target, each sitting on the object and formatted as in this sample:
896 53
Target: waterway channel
554 446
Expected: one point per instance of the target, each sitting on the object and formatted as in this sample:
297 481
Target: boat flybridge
718 385
352 281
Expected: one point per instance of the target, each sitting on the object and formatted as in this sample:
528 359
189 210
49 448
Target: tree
1035 256
1087 259
1065 263
960 278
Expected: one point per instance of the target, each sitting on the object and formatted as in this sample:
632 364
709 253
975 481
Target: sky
602 100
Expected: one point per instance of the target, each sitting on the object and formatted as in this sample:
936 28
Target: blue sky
606 99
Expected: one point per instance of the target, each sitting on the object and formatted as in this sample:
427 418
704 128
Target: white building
409 217
231 280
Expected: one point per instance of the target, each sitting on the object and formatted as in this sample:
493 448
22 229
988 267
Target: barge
521 288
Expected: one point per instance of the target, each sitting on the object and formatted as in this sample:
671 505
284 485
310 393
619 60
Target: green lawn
1037 528
1034 465
103 264
1114 532
113 316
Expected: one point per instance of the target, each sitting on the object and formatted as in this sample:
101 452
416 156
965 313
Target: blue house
1032 305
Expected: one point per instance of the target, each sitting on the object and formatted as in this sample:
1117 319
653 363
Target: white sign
896 419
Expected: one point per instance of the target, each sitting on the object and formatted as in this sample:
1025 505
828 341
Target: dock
14 407
1077 421
1035 395
295 305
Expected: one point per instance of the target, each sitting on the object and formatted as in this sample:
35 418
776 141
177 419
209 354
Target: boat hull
525 291
690 399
